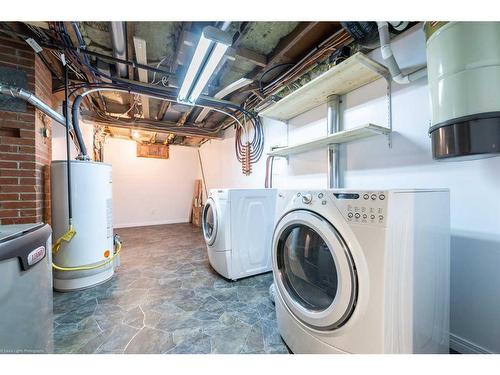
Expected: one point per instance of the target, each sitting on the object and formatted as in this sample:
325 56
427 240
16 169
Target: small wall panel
155 151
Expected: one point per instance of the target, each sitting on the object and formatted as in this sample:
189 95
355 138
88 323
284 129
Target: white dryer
238 227
363 271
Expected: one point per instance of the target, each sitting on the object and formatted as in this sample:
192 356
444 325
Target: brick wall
25 152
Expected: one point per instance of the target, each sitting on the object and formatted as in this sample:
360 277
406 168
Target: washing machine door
314 270
210 221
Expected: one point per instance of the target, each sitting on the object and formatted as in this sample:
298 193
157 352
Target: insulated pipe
390 60
119 46
25 95
29 97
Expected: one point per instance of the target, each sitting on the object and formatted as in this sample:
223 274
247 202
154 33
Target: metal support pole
333 121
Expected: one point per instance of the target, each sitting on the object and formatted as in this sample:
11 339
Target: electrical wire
254 135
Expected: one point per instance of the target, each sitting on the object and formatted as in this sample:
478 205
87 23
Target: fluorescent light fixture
232 87
210 49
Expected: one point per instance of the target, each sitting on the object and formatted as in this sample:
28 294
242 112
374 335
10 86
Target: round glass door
315 271
209 222
308 268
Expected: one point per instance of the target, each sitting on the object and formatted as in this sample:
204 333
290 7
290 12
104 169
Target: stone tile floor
165 298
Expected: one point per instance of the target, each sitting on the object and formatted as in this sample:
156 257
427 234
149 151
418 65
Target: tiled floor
165 298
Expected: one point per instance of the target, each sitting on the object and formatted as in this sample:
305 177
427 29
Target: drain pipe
119 46
29 97
390 60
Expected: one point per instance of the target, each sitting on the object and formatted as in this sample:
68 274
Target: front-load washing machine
363 271
238 227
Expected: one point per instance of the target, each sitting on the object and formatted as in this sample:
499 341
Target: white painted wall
145 191
474 185
59 140
151 191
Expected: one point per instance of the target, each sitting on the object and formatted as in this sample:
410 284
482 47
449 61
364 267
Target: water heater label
36 255
109 218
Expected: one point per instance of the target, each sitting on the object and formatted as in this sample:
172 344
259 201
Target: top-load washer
238 227
363 271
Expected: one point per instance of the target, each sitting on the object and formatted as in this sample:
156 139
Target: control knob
307 198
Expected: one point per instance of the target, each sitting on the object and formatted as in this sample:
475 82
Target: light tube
194 67
214 59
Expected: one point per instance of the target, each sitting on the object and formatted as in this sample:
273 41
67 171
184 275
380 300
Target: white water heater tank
463 64
91 197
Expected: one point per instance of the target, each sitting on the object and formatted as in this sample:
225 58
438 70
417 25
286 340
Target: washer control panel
364 207
360 207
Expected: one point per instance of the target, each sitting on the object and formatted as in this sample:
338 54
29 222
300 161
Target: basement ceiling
257 47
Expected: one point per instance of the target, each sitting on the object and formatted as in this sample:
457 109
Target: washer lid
210 221
315 271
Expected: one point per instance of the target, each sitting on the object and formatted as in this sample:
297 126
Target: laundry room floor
165 298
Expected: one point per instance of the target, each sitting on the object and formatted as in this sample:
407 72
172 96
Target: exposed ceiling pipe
77 102
390 60
119 46
29 97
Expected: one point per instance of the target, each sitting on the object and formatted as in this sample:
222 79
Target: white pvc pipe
390 60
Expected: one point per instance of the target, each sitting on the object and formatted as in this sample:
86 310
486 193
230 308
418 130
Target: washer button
374 196
381 197
349 214
320 195
364 216
366 196
357 216
381 217
372 216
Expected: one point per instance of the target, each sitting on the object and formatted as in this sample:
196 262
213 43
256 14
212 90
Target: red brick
17 173
18 189
9 197
18 157
27 165
17 205
16 141
9 181
24 213
8 164
5 58
14 43
7 49
28 196
8 213
16 124
29 117
4 115
27 181
9 148
18 220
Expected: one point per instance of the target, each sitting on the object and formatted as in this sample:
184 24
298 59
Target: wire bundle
249 139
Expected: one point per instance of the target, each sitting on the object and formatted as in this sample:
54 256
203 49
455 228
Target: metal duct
25 95
119 46
29 97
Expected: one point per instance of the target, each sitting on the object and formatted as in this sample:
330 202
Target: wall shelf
356 71
344 136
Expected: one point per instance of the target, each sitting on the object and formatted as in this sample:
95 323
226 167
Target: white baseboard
149 223
464 346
